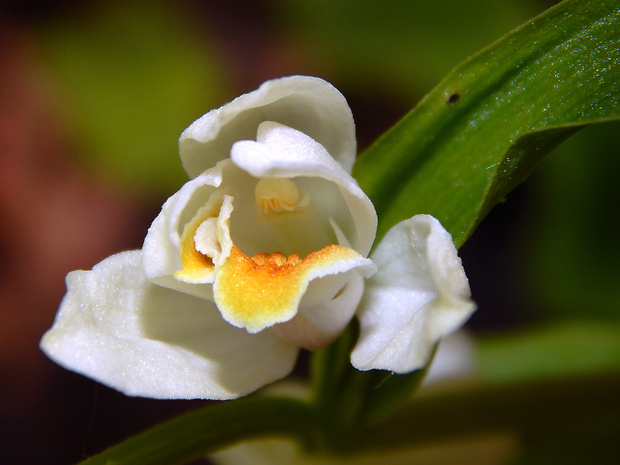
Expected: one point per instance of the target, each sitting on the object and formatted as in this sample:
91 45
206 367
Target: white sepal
419 294
145 340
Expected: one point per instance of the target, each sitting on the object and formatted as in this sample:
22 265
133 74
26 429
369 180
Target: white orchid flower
263 252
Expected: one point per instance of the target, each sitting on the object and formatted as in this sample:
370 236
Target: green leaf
481 131
562 349
199 433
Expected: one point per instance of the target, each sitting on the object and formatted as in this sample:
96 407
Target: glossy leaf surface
481 131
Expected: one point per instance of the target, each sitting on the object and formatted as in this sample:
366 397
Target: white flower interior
275 195
261 240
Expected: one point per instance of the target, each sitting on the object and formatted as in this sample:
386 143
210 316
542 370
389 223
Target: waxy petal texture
281 151
419 294
317 325
146 340
308 104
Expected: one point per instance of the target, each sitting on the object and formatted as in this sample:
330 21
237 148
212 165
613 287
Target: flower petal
258 292
161 257
142 339
419 295
281 151
306 103
317 326
206 243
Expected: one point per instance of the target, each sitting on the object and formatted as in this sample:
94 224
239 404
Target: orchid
263 252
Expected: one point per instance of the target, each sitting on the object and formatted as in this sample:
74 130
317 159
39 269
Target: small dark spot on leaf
454 98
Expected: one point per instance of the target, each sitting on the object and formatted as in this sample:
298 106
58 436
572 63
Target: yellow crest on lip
258 292
197 266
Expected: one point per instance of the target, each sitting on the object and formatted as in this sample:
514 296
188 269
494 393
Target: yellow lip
266 289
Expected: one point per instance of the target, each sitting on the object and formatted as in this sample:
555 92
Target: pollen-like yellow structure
276 195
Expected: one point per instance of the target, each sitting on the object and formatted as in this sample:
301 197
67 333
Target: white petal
161 245
419 295
162 255
306 103
115 326
316 326
281 151
161 248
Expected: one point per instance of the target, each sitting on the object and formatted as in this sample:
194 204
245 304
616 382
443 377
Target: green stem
558 409
212 428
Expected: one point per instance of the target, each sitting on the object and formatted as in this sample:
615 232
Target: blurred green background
93 97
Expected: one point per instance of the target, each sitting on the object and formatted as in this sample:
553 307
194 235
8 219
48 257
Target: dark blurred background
93 96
